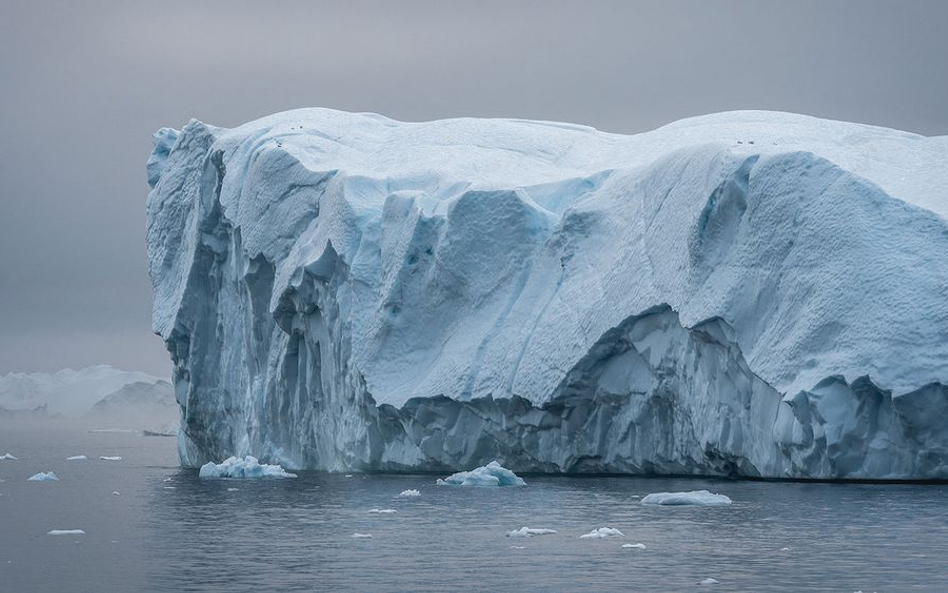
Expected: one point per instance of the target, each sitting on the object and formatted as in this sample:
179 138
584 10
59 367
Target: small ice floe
382 511
7 457
362 536
248 467
530 532
708 581
65 532
492 474
116 493
232 489
636 546
409 493
602 533
77 458
348 475
169 487
110 457
518 547
784 549
43 477
693 498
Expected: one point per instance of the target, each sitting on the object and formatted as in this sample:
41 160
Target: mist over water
169 530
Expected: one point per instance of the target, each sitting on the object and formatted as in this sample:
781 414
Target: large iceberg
746 293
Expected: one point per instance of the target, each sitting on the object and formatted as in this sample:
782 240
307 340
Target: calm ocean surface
167 530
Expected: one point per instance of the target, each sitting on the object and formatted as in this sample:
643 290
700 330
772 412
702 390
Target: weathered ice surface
747 293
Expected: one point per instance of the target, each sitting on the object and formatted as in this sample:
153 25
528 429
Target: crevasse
747 293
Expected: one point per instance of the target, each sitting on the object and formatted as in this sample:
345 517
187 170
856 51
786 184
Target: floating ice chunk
77 458
8 457
602 533
232 489
116 493
348 475
637 546
65 532
110 457
248 467
784 549
517 547
362 535
492 474
708 581
695 498
409 493
43 477
382 511
530 532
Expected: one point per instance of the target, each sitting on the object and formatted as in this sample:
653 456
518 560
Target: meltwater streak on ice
747 293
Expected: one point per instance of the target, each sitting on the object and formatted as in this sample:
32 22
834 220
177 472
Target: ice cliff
747 293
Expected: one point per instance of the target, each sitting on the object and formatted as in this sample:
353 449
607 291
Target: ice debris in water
110 457
7 456
530 532
637 546
409 493
43 477
248 467
382 511
602 533
695 498
77 458
492 474
116 493
362 536
232 489
65 532
517 547
708 581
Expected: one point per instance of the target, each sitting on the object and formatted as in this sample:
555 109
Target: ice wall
747 293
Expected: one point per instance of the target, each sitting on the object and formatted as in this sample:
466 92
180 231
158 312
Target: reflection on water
177 532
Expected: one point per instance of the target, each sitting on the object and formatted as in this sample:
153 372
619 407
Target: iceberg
634 546
492 474
382 511
530 532
362 536
602 533
110 457
77 458
708 581
248 467
693 498
43 477
411 493
65 532
7 457
346 292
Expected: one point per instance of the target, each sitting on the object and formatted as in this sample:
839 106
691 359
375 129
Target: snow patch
248 467
492 474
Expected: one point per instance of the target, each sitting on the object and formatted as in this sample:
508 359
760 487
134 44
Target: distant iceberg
693 498
602 533
492 474
382 511
77 458
248 467
65 532
8 457
530 532
43 477
110 457
410 493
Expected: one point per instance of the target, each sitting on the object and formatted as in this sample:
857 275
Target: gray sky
83 86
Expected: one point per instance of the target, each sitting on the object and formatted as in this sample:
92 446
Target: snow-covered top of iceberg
486 256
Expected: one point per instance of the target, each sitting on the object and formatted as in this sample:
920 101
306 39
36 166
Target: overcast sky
83 86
